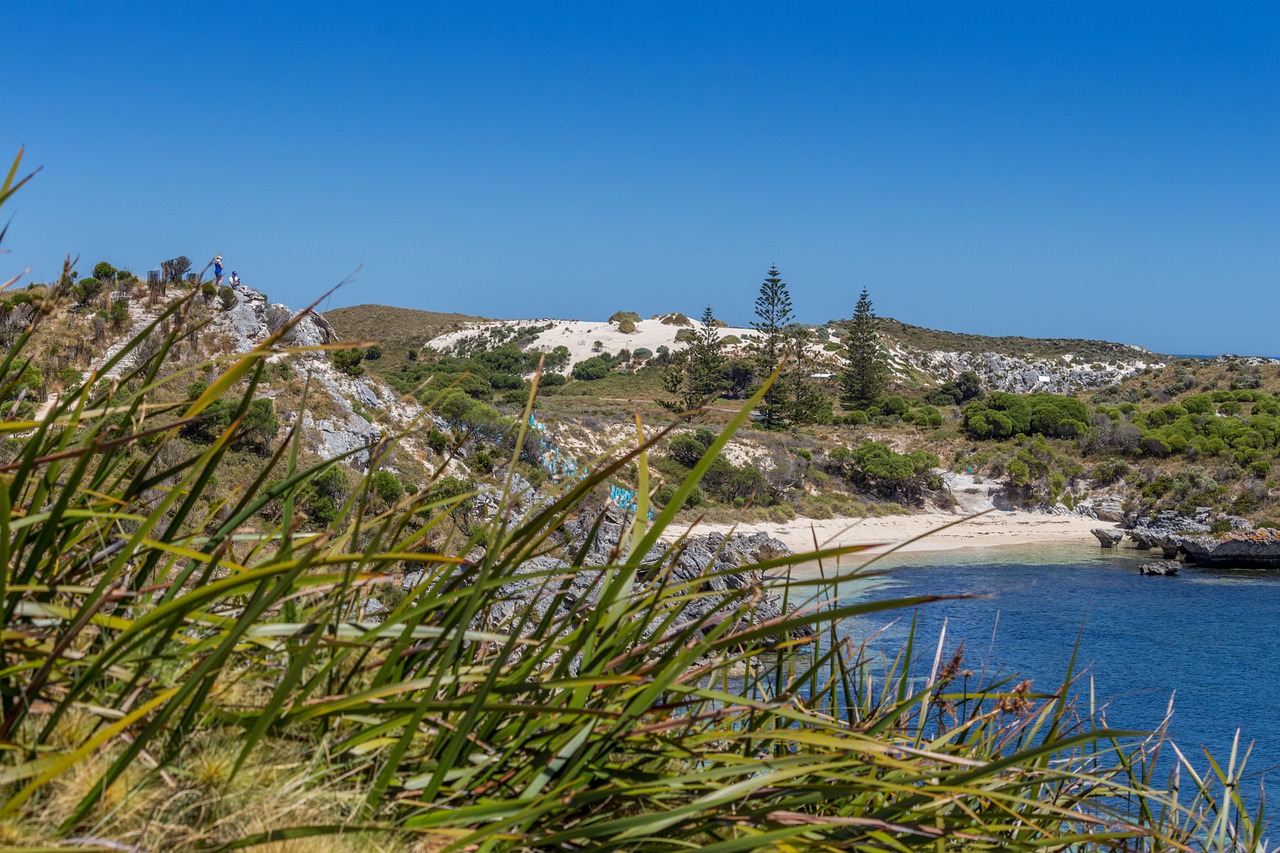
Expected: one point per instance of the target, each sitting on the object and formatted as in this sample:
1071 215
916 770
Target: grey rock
337 437
1160 567
1241 548
1164 532
1108 537
1004 372
311 330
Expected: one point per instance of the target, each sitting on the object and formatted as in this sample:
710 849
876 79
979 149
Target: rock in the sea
1159 567
1108 537
1244 548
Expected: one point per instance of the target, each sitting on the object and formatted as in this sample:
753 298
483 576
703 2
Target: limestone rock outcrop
1108 537
1240 548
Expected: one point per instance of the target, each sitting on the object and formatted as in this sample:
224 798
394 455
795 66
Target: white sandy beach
996 528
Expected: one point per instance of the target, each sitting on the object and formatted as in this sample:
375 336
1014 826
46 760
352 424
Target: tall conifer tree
773 315
866 373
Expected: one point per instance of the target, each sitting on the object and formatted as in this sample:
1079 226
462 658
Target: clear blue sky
1107 170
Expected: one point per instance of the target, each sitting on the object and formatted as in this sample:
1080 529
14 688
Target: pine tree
866 373
696 375
773 315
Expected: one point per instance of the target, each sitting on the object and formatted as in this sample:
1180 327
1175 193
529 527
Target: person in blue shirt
217 269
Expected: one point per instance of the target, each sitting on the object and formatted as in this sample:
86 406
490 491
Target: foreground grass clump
186 674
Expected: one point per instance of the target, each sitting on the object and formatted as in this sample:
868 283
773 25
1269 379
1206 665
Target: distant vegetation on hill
917 337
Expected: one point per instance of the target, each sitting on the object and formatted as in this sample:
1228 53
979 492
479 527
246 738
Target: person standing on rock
217 270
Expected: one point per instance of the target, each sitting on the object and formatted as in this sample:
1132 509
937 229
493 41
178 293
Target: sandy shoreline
995 529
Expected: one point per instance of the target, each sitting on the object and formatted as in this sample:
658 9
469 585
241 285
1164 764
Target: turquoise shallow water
1208 638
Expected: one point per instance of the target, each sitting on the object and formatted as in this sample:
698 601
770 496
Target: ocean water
1206 638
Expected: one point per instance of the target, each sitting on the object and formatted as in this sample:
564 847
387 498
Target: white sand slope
586 338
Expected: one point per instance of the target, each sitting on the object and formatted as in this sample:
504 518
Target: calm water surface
1205 637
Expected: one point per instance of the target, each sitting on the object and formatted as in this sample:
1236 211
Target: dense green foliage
1002 415
866 371
879 470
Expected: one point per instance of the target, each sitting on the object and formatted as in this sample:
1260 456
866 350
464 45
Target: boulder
1159 567
1108 537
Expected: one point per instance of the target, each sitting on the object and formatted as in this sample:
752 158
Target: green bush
386 487
1002 415
1201 404
591 369
688 448
505 382
437 441
894 405
662 497
349 361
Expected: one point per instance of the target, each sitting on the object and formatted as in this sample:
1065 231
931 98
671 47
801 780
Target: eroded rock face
1162 530
1244 548
1167 568
1107 537
343 435
311 330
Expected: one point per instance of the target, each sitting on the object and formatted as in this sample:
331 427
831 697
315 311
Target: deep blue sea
1206 637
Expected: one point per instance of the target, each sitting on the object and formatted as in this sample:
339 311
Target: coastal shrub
1018 472
875 468
1201 404
627 326
348 361
258 426
386 487
552 380
620 316
505 381
688 448
685 336
894 405
926 416
482 461
1003 415
646 353
592 369
664 495
857 417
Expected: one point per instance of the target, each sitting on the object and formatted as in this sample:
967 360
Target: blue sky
1098 170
